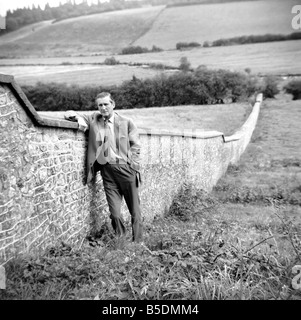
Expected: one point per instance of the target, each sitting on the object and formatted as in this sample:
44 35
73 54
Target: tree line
18 18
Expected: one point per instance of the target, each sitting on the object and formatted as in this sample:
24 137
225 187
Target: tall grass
205 257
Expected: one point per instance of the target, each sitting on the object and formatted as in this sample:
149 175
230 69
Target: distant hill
108 33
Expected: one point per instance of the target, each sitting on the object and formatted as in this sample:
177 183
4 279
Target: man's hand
82 124
71 116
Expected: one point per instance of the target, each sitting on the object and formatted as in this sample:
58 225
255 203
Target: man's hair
103 95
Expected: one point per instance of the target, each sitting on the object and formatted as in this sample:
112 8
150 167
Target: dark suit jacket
127 141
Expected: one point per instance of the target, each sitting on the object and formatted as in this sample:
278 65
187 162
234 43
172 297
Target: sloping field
24 32
210 22
82 75
109 31
265 58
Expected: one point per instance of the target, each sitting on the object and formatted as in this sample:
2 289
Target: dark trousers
119 180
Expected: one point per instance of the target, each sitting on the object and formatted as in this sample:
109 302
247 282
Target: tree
184 64
11 24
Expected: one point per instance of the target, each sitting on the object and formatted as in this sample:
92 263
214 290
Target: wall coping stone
183 134
31 111
238 134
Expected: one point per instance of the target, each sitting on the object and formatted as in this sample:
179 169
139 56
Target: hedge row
294 88
202 86
138 49
256 39
240 40
185 45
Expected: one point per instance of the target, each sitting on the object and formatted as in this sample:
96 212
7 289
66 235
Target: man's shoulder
122 117
95 115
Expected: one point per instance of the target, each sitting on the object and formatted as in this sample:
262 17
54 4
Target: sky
14 4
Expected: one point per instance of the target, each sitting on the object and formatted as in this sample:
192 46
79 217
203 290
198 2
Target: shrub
156 49
58 97
182 45
159 66
111 61
138 49
294 88
194 44
206 44
134 50
269 87
190 201
184 64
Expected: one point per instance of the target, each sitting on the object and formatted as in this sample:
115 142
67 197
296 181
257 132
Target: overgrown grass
204 257
271 166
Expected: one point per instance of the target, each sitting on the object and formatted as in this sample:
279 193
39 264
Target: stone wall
43 195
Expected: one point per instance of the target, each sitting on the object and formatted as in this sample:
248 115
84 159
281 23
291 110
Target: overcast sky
14 4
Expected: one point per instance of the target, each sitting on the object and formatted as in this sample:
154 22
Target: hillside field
210 22
109 32
98 33
83 75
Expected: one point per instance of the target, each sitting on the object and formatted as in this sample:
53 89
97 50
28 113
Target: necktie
106 140
103 151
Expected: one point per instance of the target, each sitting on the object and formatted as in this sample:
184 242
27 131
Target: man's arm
82 119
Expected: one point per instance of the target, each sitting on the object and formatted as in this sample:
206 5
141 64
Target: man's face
105 106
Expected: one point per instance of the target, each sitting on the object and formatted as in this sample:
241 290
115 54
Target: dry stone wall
43 195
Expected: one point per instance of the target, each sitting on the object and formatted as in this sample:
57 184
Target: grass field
272 57
23 32
261 58
93 75
215 21
229 245
104 32
272 161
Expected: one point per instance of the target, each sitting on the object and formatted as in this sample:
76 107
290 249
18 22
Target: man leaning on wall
114 150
